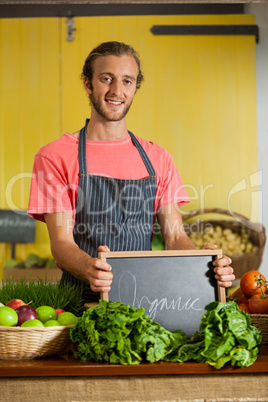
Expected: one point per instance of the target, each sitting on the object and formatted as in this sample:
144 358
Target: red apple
59 311
25 313
15 303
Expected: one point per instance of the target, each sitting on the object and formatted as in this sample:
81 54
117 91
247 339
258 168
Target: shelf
32 273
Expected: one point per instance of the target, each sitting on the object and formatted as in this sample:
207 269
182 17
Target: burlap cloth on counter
197 388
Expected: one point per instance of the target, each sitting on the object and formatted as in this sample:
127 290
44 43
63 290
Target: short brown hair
106 49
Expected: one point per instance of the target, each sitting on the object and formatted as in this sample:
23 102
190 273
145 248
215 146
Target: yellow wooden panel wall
198 101
29 111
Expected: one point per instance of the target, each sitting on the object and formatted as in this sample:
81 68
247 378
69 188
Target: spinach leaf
226 336
117 333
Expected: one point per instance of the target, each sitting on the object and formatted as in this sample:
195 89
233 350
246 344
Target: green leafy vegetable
158 241
117 333
12 263
33 260
226 336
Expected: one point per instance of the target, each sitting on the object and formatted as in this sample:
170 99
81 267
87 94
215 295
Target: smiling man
102 187
111 92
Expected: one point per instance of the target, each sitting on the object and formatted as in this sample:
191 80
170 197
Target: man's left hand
224 273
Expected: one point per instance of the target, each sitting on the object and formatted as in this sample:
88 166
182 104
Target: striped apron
113 212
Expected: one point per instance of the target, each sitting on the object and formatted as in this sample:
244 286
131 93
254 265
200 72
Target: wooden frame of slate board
172 286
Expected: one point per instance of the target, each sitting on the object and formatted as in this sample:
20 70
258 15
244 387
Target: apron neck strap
143 155
82 149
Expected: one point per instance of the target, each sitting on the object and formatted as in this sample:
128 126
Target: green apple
8 317
32 323
46 313
52 323
67 318
2 305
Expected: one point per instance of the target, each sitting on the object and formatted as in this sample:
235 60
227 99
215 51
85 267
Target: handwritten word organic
128 280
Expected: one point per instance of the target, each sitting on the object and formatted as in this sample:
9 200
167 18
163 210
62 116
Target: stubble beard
99 107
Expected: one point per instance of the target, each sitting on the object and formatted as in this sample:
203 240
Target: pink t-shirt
55 177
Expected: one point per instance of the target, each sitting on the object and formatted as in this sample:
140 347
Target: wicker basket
256 232
18 343
260 321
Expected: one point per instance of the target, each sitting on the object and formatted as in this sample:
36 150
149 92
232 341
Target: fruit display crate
32 273
18 343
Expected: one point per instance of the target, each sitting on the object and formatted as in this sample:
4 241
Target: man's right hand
69 256
99 273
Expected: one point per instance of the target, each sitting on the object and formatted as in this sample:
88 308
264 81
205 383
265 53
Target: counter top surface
59 366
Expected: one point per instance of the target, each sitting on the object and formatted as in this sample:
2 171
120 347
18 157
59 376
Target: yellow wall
198 101
30 111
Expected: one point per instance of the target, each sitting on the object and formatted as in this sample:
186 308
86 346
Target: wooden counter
56 366
58 379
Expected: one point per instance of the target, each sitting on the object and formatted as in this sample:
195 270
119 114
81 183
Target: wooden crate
32 273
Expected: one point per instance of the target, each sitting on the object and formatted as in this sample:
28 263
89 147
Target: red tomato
239 296
249 284
258 304
244 307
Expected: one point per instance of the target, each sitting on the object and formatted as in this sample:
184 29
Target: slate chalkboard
173 286
16 227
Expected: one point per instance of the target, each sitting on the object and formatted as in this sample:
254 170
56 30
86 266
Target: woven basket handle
191 214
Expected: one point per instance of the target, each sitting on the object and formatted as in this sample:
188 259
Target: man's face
113 86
